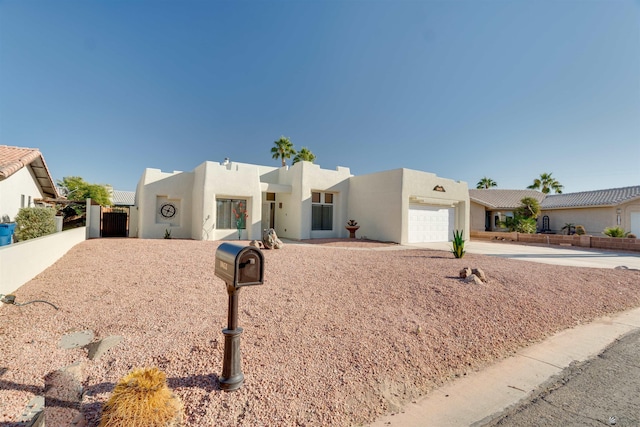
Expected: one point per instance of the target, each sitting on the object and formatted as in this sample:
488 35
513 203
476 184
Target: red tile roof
12 159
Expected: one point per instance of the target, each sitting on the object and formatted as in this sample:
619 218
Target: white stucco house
24 179
300 202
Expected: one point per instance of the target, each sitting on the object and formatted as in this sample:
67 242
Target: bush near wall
34 222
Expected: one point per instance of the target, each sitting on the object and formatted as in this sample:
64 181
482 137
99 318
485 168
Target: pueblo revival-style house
232 200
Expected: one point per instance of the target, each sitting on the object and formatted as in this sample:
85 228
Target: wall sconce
280 205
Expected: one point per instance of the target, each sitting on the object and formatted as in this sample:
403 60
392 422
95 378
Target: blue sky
462 89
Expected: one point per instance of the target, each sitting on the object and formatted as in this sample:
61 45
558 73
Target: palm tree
485 183
546 183
304 155
283 149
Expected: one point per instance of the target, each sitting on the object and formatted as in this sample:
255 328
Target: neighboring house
24 178
595 210
300 202
123 198
489 207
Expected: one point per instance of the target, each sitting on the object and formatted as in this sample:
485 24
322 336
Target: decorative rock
270 239
465 272
473 279
256 244
480 273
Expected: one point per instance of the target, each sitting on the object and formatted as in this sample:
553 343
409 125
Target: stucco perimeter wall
422 187
375 203
293 220
22 261
13 188
156 186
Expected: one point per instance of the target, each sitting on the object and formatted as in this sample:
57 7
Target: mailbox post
238 266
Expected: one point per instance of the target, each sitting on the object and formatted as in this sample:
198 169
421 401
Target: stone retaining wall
585 241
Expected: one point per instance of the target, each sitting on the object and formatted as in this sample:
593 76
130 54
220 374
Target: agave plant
458 244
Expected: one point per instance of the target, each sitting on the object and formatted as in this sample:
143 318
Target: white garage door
430 224
635 223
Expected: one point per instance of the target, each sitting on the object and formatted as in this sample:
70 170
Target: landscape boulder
270 239
473 275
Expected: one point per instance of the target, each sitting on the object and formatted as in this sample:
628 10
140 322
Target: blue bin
7 228
5 240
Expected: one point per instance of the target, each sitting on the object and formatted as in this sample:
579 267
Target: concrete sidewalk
559 255
488 397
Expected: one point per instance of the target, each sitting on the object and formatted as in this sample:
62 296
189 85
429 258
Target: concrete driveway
553 254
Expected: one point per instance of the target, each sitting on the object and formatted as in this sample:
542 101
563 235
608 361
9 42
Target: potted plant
352 226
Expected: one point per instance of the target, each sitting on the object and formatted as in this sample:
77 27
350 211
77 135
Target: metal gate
115 222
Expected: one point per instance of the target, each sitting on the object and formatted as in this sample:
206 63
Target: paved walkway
491 396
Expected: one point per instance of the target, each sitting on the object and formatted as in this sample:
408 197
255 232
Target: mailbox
239 265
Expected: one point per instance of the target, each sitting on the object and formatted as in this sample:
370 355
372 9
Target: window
231 214
321 211
22 199
271 197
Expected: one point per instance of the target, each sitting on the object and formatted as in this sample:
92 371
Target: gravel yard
335 336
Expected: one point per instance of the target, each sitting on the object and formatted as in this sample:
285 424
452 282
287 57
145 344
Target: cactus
458 244
142 398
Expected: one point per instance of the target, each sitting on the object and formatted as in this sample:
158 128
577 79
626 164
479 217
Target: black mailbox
239 265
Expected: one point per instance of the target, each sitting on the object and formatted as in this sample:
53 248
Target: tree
529 208
546 183
283 149
76 188
485 183
304 155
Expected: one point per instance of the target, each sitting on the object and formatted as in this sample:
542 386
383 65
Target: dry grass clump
142 398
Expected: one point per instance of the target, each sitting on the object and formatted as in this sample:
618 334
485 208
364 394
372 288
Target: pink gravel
335 336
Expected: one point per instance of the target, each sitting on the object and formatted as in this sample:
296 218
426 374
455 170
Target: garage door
635 223
430 224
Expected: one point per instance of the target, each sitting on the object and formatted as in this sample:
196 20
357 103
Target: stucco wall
421 186
379 202
594 220
22 261
305 178
477 217
375 202
176 187
13 188
230 181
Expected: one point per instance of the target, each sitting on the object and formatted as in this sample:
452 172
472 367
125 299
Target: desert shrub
458 244
34 222
526 225
615 232
580 230
631 236
520 224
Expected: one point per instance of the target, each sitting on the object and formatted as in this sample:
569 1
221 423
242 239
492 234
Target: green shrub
34 222
615 232
526 225
580 230
458 244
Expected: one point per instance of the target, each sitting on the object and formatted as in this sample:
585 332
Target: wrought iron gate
115 222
